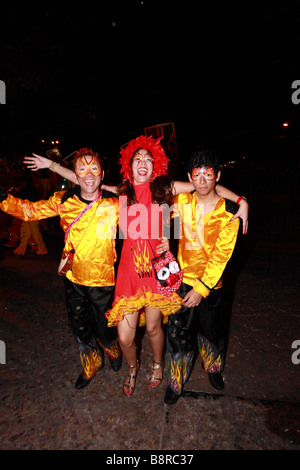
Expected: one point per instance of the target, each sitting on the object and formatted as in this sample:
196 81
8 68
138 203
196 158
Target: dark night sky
97 75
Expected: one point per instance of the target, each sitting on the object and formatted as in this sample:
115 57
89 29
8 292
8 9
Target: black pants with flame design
86 312
189 327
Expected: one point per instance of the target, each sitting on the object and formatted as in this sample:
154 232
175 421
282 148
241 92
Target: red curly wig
153 146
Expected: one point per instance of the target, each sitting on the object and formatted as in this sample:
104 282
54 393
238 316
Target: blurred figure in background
30 230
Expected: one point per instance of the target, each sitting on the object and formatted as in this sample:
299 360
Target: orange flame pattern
114 351
207 356
211 358
141 259
179 370
91 364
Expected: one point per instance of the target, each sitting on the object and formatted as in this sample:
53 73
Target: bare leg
156 338
126 333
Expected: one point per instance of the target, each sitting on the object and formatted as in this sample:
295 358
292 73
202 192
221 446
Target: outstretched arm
243 211
37 162
112 189
180 187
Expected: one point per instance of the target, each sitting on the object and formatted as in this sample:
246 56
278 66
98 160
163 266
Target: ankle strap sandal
155 381
128 389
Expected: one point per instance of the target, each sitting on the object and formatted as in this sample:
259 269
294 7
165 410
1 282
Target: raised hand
37 162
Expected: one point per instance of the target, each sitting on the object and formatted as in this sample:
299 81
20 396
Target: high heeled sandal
155 381
127 388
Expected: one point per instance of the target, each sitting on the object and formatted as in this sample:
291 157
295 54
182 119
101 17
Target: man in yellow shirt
206 242
89 221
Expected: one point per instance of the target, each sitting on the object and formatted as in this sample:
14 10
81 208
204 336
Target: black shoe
216 381
115 364
171 397
82 382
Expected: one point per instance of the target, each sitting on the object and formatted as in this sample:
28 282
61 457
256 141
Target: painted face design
208 173
83 167
138 158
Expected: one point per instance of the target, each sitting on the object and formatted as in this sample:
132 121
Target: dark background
96 75
88 74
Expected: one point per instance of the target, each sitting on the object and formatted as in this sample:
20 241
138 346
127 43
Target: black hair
204 158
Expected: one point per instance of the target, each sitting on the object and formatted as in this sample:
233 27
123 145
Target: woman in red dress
137 300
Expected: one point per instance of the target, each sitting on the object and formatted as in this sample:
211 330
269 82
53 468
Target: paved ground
259 409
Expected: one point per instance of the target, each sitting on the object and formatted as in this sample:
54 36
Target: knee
126 340
154 329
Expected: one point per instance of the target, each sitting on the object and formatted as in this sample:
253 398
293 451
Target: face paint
138 158
83 167
208 173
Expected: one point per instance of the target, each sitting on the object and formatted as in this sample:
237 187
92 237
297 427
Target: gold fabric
203 255
92 236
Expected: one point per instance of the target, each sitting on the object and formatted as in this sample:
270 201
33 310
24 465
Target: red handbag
65 263
167 273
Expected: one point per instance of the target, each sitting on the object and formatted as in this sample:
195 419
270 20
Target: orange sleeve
27 210
221 254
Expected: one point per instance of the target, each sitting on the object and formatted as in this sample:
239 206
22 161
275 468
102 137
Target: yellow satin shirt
92 236
204 253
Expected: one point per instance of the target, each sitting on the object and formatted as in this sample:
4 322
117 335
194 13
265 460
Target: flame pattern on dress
141 259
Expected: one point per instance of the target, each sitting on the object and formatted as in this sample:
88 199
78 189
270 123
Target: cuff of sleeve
201 288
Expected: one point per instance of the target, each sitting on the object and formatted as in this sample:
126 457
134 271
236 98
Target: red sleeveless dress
136 285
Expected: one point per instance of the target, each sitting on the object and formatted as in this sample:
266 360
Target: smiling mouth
90 182
142 171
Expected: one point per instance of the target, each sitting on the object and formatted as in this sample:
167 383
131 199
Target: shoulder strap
78 217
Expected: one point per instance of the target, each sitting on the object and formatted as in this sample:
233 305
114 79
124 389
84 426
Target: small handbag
167 273
65 263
